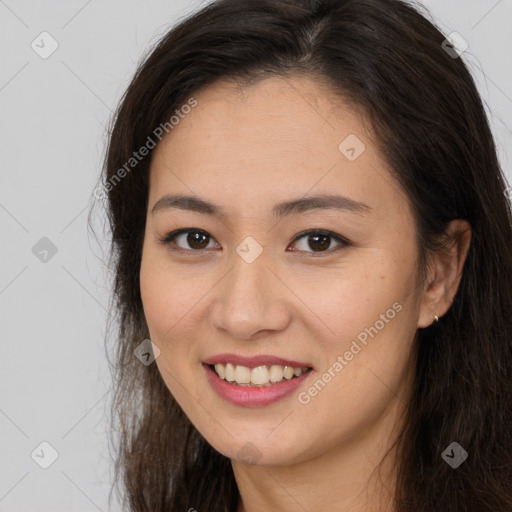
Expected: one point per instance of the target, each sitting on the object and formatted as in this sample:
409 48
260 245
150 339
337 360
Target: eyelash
168 240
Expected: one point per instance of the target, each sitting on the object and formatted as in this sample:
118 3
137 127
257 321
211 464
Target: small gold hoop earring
436 318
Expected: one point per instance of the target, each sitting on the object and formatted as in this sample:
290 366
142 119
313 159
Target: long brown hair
388 59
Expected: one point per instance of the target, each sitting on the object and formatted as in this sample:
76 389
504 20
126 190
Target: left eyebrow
295 206
320 202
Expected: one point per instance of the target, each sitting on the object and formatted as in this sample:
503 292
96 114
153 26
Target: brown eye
319 241
188 239
197 240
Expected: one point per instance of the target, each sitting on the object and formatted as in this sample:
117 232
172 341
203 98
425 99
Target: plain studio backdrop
56 98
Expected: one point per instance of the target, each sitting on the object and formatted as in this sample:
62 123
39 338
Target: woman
310 224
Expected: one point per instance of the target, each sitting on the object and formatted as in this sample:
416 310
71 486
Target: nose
251 299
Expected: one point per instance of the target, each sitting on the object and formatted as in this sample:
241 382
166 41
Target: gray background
54 113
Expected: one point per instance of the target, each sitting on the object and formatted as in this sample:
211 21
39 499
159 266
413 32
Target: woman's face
251 288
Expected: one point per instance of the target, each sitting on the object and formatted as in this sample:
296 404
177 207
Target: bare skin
246 150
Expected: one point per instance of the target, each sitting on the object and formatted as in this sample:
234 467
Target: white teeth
258 376
276 373
242 375
221 370
230 373
288 372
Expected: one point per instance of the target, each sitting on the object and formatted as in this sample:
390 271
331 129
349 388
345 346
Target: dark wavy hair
388 60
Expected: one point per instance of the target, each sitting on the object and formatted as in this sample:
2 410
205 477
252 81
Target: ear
445 272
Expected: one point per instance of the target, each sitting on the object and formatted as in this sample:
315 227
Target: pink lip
254 396
254 361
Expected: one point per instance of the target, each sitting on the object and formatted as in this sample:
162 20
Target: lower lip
247 396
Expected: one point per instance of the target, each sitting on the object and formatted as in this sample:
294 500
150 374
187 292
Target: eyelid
167 239
343 242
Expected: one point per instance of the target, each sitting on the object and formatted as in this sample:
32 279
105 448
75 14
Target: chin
255 448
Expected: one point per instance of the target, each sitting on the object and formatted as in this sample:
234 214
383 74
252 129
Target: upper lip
253 361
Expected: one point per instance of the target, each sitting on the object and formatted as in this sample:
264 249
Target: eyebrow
295 206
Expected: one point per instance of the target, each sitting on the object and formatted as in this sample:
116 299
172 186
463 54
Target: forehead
279 137
304 114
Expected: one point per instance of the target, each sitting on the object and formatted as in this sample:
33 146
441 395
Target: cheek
151 293
358 297
171 299
166 295
368 344
367 364
165 303
159 294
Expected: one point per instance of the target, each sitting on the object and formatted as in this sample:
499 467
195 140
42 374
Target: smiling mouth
258 376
